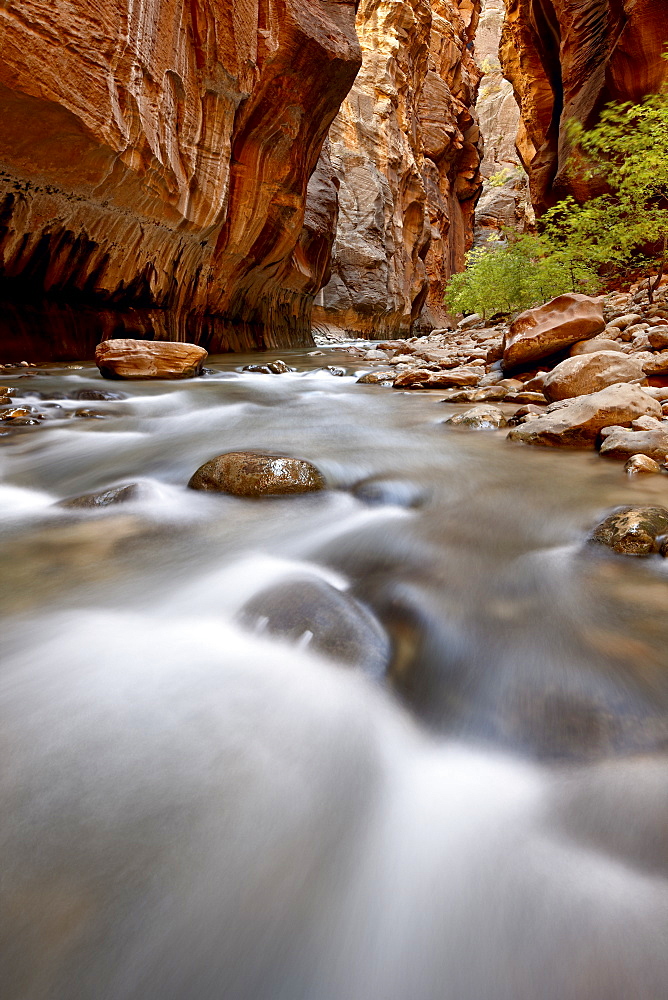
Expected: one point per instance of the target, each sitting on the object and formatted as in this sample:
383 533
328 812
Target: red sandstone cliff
154 163
406 151
566 59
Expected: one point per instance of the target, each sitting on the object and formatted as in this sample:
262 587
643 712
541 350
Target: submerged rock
103 498
313 613
148 359
249 474
588 373
633 531
538 333
577 422
99 394
268 368
479 418
391 491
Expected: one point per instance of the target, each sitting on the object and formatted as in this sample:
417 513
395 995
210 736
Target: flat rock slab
538 333
624 444
588 373
633 531
247 474
577 422
148 359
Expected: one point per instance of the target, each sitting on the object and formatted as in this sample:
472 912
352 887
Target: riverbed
196 809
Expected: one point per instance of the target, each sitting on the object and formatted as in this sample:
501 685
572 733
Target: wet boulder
623 443
251 474
588 373
641 465
633 531
479 418
577 422
425 378
377 378
268 368
148 359
542 331
99 395
315 614
103 498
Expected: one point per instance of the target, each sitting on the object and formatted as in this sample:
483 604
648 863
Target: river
196 810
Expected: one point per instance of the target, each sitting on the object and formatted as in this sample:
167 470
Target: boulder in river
594 345
588 373
624 443
314 613
148 359
479 418
377 378
577 422
641 465
633 531
268 368
251 474
538 333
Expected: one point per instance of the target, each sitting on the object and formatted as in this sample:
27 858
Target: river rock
421 378
268 368
103 498
148 359
98 395
576 422
377 378
540 332
641 464
658 338
588 373
249 474
593 345
313 613
479 418
623 443
633 531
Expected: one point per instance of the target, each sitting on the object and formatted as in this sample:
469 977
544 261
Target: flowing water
194 809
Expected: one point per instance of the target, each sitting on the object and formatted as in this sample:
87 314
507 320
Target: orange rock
143 359
163 152
540 332
606 50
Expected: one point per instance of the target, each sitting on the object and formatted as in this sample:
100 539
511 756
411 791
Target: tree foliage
505 277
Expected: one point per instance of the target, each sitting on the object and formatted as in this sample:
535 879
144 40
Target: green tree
624 227
511 276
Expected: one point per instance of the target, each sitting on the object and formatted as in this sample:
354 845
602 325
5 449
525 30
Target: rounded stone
633 531
103 498
638 464
377 378
249 474
479 418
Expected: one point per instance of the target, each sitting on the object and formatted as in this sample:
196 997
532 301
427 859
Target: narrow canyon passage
196 807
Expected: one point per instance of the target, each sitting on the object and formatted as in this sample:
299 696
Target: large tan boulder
577 422
540 332
624 444
248 474
143 359
593 345
590 372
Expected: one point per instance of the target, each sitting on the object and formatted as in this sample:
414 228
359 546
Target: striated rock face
504 202
155 157
405 148
566 59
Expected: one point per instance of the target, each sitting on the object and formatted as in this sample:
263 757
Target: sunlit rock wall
566 59
154 163
405 150
504 203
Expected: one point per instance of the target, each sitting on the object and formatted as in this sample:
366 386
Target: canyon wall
504 202
155 157
406 150
566 59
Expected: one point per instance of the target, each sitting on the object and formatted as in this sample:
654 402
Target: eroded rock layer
154 163
566 59
405 149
